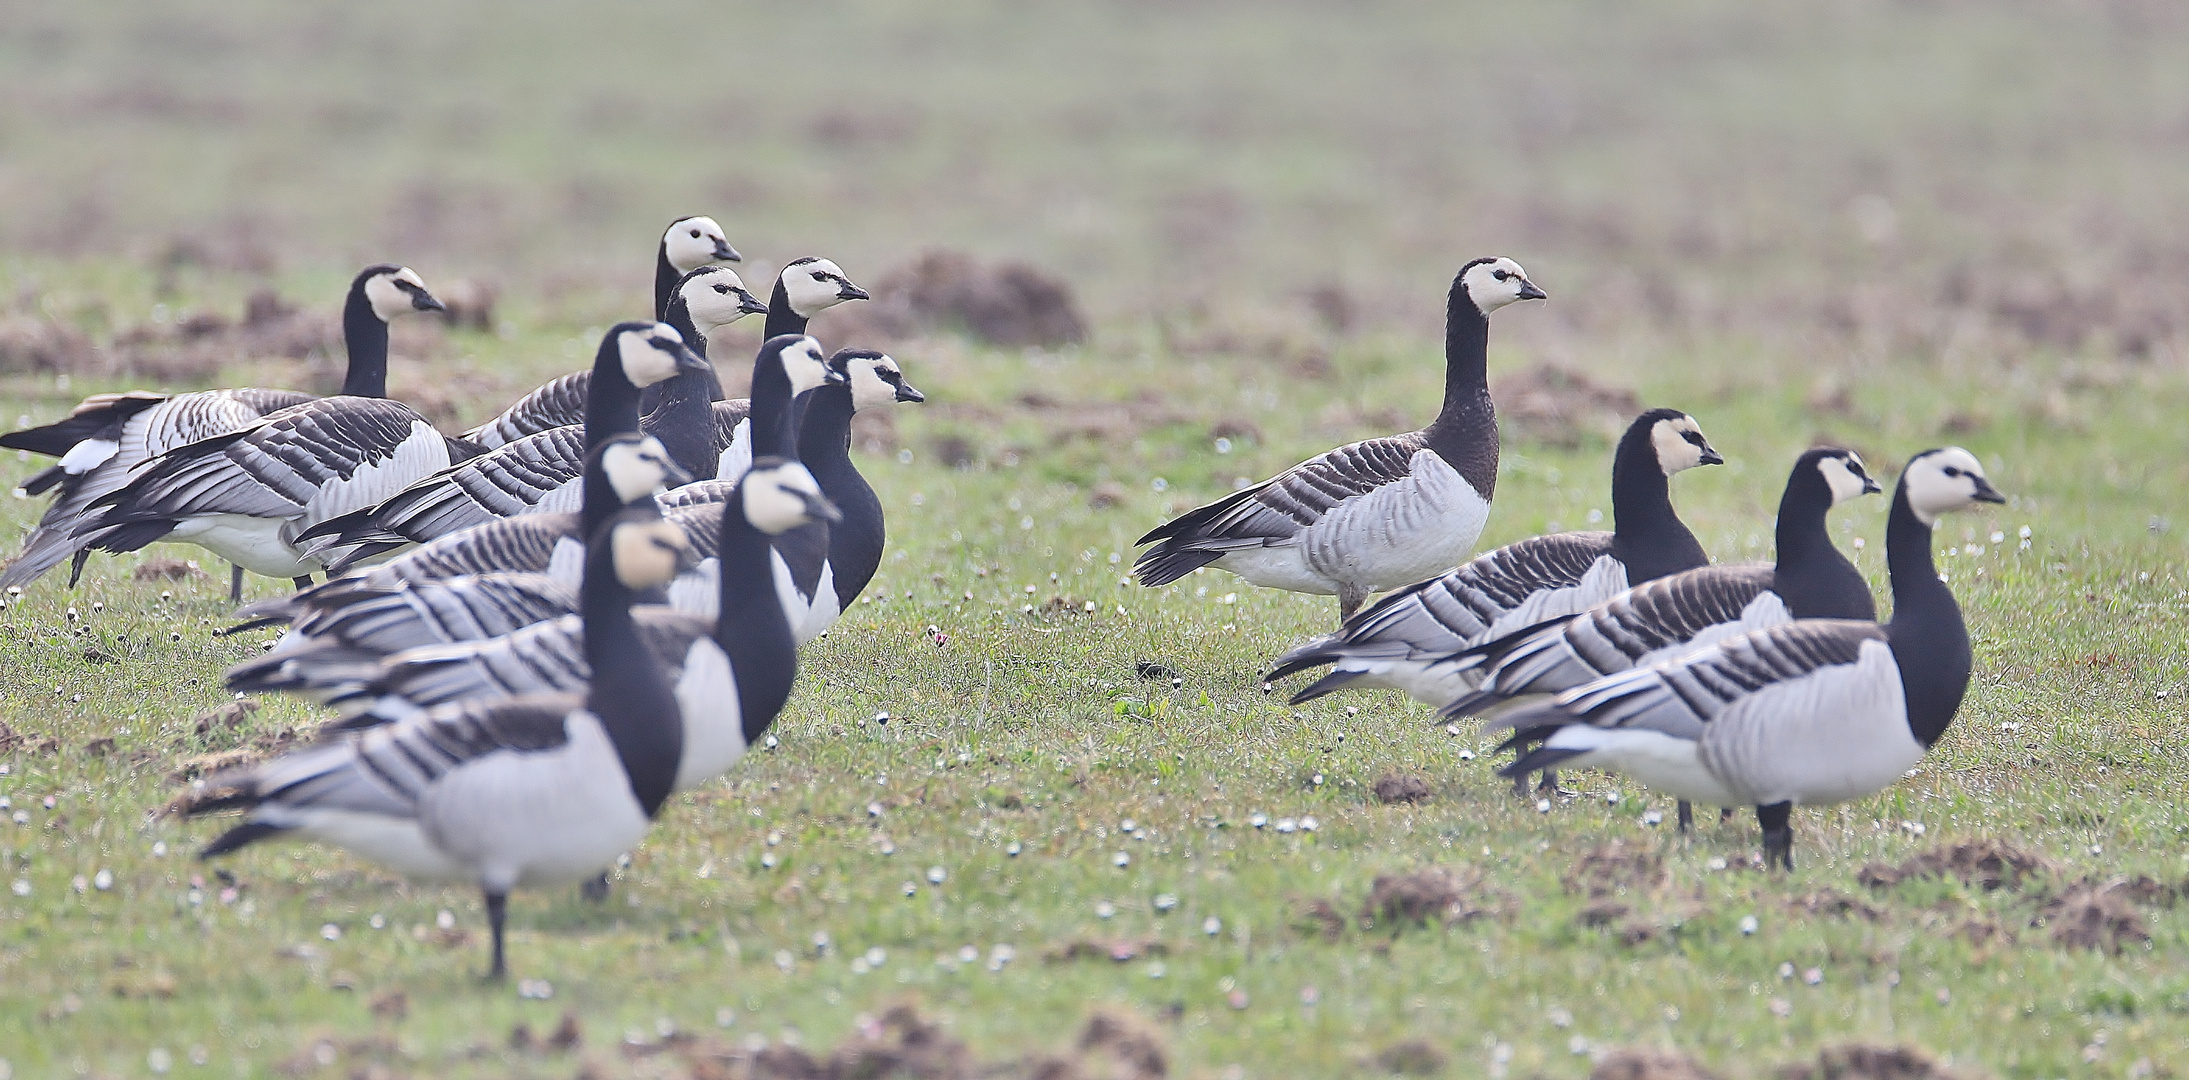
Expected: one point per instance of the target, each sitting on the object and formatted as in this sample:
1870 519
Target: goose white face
1680 445
1942 481
399 293
1844 474
1496 283
647 553
650 355
877 381
814 285
694 242
716 298
781 497
803 362
637 468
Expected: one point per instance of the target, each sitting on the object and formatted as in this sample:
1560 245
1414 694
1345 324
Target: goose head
812 285
802 362
650 352
1678 441
647 552
1843 473
780 495
395 290
875 378
638 466
716 297
693 242
1944 480
1492 283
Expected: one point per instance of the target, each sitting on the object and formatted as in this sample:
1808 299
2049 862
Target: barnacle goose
701 302
1814 711
373 619
686 245
1372 515
503 792
1661 619
108 435
543 472
252 494
804 289
731 673
1405 640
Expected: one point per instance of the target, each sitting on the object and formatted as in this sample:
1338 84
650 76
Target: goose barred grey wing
413 615
1277 509
538 473
560 403
1641 626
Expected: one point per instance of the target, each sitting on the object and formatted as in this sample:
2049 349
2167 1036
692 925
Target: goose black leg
1778 835
1548 785
1349 601
235 584
1725 814
1687 818
497 911
302 582
595 889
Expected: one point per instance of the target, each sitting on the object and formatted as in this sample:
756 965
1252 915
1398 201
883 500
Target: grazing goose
1666 617
108 435
374 618
1406 640
1814 711
505 792
703 301
543 473
1372 515
251 495
731 673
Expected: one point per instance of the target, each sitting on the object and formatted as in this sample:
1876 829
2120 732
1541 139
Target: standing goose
1406 640
1815 711
561 403
544 472
1663 618
506 792
108 435
250 495
1372 515
371 618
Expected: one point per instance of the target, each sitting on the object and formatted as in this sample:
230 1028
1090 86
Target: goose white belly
1837 734
1661 762
398 843
736 459
1400 533
714 723
540 817
822 613
260 545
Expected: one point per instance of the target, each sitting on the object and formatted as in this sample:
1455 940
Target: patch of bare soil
162 568
2095 915
1435 894
1412 1057
1009 304
1561 407
1642 1063
1989 864
1860 1061
1836 903
1616 867
1402 787
904 1045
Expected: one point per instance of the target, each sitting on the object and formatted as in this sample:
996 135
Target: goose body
1371 515
108 436
502 793
805 288
1663 618
1407 640
1813 711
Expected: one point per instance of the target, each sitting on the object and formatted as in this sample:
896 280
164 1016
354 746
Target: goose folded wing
546 657
1279 508
509 481
525 543
470 608
1451 611
560 403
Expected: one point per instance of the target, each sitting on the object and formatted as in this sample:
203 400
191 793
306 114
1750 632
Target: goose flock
536 630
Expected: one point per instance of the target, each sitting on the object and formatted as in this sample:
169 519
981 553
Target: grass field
1891 225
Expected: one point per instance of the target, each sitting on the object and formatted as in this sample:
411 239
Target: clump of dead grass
2100 916
1436 894
1988 864
1402 788
1862 1061
1646 1063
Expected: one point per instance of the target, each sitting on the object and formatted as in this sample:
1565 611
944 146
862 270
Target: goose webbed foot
1778 835
235 584
497 913
1687 817
595 889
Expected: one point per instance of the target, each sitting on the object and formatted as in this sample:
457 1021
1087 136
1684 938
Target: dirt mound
1990 864
1402 787
905 1045
162 568
1561 407
1008 305
1615 867
2096 915
1857 1061
1637 1063
1835 902
1412 1057
1436 893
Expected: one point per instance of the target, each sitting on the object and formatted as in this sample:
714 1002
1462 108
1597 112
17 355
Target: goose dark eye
819 276
723 289
1952 471
1502 275
695 234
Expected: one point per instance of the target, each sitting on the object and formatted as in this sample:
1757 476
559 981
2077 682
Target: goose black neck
365 335
824 444
665 278
679 410
771 405
752 629
1464 433
1813 578
611 402
1930 642
782 318
629 690
1648 536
